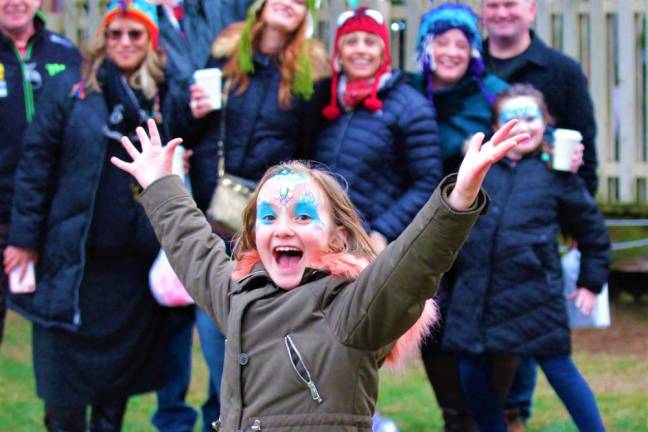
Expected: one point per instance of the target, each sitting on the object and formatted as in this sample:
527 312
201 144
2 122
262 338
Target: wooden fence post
627 93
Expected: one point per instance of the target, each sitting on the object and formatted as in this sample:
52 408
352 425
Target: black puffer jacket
508 292
391 159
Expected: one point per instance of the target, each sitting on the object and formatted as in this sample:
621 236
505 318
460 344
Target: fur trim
350 266
411 341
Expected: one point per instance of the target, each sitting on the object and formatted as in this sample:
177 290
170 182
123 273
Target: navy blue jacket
258 133
58 176
508 291
391 158
564 86
49 55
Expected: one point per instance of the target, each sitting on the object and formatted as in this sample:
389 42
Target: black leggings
103 418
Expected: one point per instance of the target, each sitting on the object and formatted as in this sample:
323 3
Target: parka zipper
299 366
28 91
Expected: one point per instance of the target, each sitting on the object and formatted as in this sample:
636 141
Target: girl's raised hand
153 162
477 161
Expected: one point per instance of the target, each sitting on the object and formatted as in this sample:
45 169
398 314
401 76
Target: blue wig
439 20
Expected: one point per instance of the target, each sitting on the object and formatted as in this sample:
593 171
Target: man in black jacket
30 57
516 54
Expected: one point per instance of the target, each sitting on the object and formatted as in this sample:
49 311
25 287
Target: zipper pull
314 393
257 425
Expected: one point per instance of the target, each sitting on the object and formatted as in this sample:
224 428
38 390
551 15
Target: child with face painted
507 298
310 314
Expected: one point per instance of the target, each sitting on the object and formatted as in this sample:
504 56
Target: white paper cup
565 143
210 81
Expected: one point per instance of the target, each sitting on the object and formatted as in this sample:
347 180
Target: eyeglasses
371 13
117 35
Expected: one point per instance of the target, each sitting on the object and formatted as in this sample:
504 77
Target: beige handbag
232 193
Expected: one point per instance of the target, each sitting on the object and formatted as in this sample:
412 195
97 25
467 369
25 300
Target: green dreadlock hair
303 81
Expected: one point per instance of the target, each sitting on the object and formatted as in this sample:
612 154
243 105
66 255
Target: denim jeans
520 396
573 390
477 373
485 381
173 414
212 343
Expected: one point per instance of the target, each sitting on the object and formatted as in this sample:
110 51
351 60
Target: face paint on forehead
528 112
283 184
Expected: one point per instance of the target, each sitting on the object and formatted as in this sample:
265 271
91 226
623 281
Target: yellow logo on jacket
3 82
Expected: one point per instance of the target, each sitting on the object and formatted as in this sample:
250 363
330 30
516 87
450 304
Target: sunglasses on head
117 35
371 13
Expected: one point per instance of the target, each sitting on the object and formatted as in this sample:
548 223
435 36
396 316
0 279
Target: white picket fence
608 37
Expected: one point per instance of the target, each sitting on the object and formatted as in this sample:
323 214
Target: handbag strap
221 136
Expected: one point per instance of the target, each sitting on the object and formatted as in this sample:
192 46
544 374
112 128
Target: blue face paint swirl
527 113
265 214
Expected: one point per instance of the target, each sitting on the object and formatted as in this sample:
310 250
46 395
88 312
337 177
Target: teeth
286 249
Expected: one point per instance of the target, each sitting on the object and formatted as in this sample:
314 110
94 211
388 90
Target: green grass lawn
619 379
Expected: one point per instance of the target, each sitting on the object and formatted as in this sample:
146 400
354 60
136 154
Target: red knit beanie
366 20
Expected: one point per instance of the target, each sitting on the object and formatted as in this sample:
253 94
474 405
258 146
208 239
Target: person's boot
107 417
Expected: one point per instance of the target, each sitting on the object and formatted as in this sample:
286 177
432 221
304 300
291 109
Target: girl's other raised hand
478 160
153 162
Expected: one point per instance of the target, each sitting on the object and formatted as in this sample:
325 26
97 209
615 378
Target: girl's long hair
147 77
288 59
355 242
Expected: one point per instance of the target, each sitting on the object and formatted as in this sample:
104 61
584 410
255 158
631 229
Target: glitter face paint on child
294 226
527 112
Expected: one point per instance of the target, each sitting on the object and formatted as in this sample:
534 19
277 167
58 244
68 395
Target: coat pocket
298 365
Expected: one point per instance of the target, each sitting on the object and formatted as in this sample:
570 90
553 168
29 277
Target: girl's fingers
503 132
143 137
502 148
476 142
124 166
172 145
154 133
130 148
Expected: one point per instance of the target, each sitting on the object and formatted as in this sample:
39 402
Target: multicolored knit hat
366 20
439 20
138 10
303 81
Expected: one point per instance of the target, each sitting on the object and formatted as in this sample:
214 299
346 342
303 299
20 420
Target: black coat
50 56
564 86
390 159
507 293
57 182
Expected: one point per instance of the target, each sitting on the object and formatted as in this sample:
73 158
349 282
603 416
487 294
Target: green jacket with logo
307 359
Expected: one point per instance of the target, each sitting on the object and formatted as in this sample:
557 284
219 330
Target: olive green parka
307 359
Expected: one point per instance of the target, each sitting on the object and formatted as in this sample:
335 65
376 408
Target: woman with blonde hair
269 65
98 334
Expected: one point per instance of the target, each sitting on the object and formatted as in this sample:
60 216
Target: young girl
507 296
308 320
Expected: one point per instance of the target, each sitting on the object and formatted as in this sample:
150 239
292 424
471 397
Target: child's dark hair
517 90
356 241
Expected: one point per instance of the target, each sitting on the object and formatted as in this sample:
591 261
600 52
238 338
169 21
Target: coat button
243 359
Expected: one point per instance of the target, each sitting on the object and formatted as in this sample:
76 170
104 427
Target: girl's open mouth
287 256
